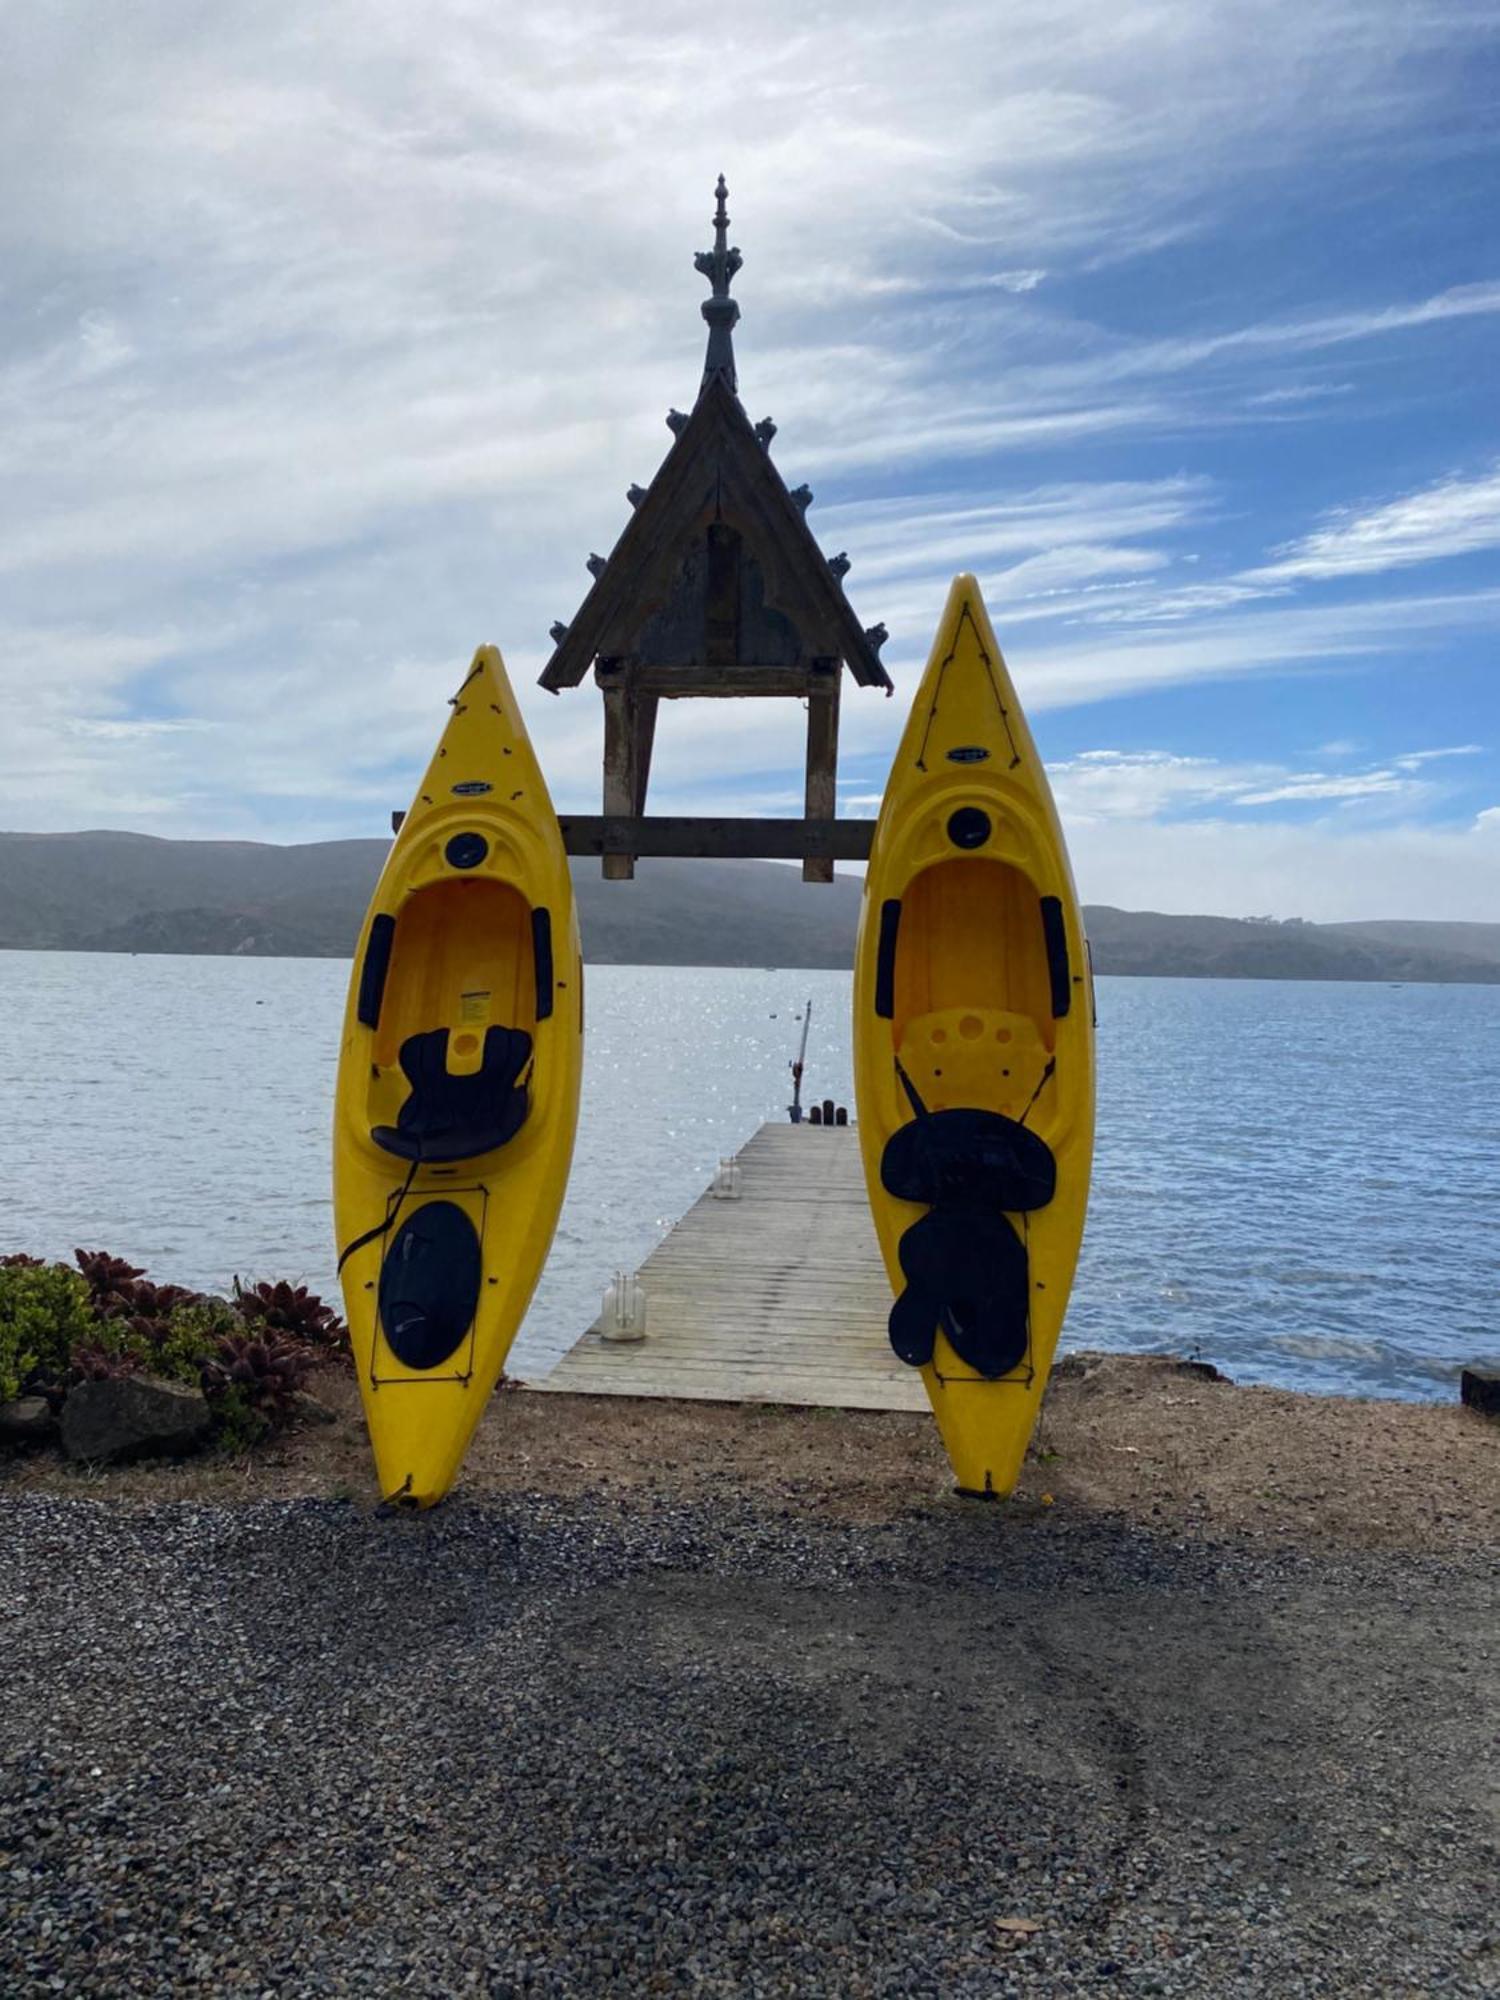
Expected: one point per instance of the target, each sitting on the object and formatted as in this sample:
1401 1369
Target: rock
1480 1390
1204 1370
26 1421
1086 1363
131 1417
309 1410
1072 1367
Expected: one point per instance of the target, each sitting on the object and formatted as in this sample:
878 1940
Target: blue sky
332 338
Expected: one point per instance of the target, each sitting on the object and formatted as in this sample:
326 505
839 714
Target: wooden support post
822 758
645 737
620 746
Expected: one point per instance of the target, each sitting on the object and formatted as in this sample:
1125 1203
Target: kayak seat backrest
968 1160
447 1117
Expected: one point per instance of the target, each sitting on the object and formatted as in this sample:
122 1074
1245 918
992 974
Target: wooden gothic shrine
716 587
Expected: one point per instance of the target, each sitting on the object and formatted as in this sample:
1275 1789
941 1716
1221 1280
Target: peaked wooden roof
717 490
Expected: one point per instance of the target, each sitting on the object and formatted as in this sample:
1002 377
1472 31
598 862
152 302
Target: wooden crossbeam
719 839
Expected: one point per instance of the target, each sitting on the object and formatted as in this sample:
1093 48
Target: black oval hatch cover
429 1284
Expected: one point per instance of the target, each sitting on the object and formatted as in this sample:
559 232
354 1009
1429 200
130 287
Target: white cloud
1153 784
1299 392
1065 668
1327 871
1415 758
1457 516
1315 786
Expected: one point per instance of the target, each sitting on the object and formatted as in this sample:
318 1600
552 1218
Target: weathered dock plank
779 1297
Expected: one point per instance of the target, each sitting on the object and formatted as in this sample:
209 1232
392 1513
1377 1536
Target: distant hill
1148 941
1481 941
135 893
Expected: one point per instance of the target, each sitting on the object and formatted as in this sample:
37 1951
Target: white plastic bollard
623 1316
728 1181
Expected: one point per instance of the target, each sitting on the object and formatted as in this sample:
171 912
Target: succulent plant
107 1319
294 1311
265 1370
94 1363
118 1290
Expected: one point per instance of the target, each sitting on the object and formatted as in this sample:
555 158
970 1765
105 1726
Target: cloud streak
1454 517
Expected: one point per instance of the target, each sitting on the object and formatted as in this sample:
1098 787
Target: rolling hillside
135 893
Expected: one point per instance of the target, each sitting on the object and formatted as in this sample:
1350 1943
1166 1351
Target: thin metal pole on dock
795 1107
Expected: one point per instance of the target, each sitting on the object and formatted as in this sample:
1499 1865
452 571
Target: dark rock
1086 1363
1073 1367
1204 1370
29 1420
131 1417
1480 1390
309 1410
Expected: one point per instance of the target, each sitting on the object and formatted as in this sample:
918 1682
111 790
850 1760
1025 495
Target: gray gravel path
549 1746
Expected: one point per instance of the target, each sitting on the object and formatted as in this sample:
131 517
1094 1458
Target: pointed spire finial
721 311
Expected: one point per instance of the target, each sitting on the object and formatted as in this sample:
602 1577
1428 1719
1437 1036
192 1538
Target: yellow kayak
974 1052
457 1092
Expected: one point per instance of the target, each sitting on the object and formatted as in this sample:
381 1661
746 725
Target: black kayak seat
449 1117
966 1267
969 1159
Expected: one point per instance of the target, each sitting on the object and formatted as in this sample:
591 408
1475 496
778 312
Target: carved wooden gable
716 586
717 569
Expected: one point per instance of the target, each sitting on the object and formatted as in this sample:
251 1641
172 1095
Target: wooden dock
777 1297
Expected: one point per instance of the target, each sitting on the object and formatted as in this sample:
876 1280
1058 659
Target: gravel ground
549 1743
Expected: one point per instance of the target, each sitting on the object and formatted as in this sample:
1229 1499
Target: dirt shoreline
1139 1439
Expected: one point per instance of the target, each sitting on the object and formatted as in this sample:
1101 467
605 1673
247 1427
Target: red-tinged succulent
101 1364
294 1311
266 1371
118 1290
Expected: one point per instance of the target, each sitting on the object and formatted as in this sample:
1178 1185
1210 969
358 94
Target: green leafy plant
238 1425
185 1346
44 1314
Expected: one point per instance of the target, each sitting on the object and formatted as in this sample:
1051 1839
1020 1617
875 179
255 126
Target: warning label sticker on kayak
474 1006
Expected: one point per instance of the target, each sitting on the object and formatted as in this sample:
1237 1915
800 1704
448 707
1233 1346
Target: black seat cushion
968 1273
969 1159
458 1117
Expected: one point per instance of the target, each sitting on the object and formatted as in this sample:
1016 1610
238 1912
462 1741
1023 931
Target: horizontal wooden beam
674 683
721 839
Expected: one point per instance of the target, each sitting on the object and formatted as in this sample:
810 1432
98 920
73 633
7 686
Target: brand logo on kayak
472 787
968 753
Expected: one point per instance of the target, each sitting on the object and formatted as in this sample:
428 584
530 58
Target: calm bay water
1300 1182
